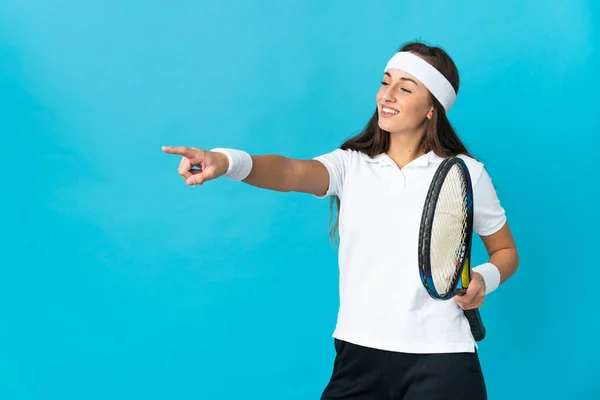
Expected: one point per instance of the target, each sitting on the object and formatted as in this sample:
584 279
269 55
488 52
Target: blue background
118 281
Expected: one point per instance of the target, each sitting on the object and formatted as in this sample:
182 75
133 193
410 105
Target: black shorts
362 373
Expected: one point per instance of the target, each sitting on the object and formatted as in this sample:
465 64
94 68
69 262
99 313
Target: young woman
392 340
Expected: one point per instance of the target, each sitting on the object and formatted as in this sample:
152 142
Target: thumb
464 298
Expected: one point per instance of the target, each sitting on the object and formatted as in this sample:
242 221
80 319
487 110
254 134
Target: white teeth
388 110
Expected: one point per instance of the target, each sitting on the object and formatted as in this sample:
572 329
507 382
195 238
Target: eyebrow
403 78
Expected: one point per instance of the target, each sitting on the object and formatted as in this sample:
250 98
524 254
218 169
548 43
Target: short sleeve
336 163
488 215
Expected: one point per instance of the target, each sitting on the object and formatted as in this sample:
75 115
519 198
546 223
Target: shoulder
341 155
475 167
338 164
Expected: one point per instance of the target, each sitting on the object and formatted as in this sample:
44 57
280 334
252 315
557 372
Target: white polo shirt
383 303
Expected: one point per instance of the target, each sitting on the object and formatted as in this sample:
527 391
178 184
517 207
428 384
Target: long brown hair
439 136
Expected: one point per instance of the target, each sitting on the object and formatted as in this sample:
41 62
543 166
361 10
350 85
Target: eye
406 90
384 83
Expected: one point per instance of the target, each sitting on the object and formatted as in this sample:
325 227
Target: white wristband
491 276
240 163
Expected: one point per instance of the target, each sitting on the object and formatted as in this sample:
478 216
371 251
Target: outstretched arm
273 172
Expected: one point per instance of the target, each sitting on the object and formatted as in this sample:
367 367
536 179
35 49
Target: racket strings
449 231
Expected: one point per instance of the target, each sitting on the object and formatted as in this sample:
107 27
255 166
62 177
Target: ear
430 113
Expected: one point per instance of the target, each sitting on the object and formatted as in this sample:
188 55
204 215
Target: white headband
433 79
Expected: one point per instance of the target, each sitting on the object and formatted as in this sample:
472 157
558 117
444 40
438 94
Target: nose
387 94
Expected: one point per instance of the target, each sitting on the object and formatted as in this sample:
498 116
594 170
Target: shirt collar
422 161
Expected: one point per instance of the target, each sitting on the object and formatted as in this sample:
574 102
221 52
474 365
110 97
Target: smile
388 112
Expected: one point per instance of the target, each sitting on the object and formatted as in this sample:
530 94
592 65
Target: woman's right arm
285 174
272 172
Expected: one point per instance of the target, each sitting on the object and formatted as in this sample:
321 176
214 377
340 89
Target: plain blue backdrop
117 281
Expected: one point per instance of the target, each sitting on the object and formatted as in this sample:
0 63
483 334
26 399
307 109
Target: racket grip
476 324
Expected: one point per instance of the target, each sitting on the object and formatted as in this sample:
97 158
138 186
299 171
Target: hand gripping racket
445 237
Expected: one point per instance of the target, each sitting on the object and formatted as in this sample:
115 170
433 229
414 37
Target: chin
386 126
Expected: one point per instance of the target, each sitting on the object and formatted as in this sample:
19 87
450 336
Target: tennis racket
445 237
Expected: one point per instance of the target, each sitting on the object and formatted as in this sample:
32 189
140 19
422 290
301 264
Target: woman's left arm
503 262
502 252
500 245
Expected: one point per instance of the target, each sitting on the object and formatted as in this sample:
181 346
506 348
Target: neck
405 148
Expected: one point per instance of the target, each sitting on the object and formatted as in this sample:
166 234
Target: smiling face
404 104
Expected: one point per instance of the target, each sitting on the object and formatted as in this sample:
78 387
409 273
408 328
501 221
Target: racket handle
476 323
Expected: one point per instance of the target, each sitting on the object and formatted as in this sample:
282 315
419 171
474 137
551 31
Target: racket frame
462 276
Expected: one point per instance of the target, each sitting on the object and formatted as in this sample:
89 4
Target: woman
392 340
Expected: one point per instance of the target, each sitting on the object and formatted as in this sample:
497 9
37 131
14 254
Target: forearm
503 258
272 172
507 262
275 172
502 265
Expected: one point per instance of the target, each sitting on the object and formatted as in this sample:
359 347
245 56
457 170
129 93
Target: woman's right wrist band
240 163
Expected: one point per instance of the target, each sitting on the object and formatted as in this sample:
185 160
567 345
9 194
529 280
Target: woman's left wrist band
491 276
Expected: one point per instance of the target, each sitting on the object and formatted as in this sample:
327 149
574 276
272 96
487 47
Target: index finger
471 294
464 297
179 150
